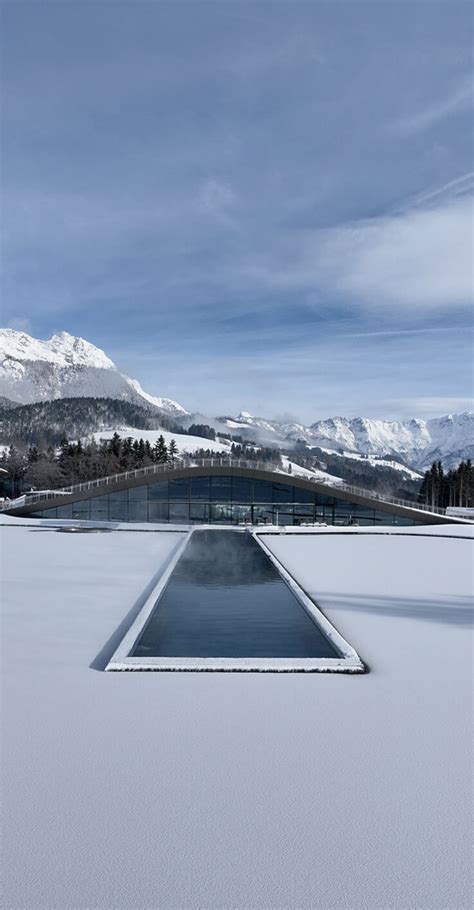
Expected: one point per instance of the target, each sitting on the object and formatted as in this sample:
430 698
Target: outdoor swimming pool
225 598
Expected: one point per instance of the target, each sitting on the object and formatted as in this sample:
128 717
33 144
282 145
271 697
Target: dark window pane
119 496
382 518
138 494
323 500
242 489
159 491
282 492
138 511
221 488
179 488
364 514
64 511
81 509
201 488
100 501
158 511
301 495
199 511
118 511
262 491
179 512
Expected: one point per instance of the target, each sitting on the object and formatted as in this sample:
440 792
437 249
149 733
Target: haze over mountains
66 366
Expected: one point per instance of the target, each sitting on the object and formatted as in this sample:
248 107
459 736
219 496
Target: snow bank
185 443
237 791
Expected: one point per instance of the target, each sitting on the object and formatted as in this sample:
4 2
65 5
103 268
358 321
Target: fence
218 461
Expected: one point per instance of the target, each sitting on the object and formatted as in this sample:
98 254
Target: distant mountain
66 367
415 442
44 423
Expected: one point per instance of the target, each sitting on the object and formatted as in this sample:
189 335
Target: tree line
441 489
51 468
76 462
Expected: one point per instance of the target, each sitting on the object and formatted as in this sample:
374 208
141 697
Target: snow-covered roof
241 790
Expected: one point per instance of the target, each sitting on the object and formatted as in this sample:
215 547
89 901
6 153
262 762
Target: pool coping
121 660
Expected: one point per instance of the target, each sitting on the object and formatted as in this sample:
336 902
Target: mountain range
65 366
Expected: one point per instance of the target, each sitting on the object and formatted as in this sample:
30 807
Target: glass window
158 491
221 489
241 513
262 514
201 488
138 511
118 496
304 510
323 500
118 511
364 515
242 489
64 511
262 491
343 512
81 509
282 492
158 511
47 513
179 512
199 511
283 515
179 488
301 495
138 494
221 513
99 511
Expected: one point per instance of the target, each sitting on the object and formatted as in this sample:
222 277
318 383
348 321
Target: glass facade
223 500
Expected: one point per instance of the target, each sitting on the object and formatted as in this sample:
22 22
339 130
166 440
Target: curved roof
158 473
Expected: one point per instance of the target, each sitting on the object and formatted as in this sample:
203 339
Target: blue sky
247 205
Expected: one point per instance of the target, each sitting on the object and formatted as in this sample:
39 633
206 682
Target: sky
259 206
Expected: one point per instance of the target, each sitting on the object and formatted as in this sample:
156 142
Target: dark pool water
226 599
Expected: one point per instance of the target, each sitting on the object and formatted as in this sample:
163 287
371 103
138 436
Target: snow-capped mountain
417 442
32 370
66 367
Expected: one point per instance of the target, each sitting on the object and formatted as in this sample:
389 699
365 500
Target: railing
218 461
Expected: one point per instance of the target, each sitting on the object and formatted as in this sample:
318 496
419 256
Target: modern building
222 494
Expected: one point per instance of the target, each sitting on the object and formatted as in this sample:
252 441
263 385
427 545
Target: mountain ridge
67 366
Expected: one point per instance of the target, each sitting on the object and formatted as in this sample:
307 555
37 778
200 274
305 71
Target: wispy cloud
420 259
457 100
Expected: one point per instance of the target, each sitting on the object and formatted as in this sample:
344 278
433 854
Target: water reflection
226 599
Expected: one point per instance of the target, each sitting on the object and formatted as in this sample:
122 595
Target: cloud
419 259
429 406
460 99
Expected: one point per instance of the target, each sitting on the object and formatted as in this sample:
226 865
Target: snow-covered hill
417 442
32 370
66 367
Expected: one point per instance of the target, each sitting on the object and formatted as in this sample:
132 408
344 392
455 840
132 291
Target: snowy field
184 442
237 791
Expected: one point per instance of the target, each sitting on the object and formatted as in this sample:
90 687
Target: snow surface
185 443
449 438
316 474
66 366
244 792
375 461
